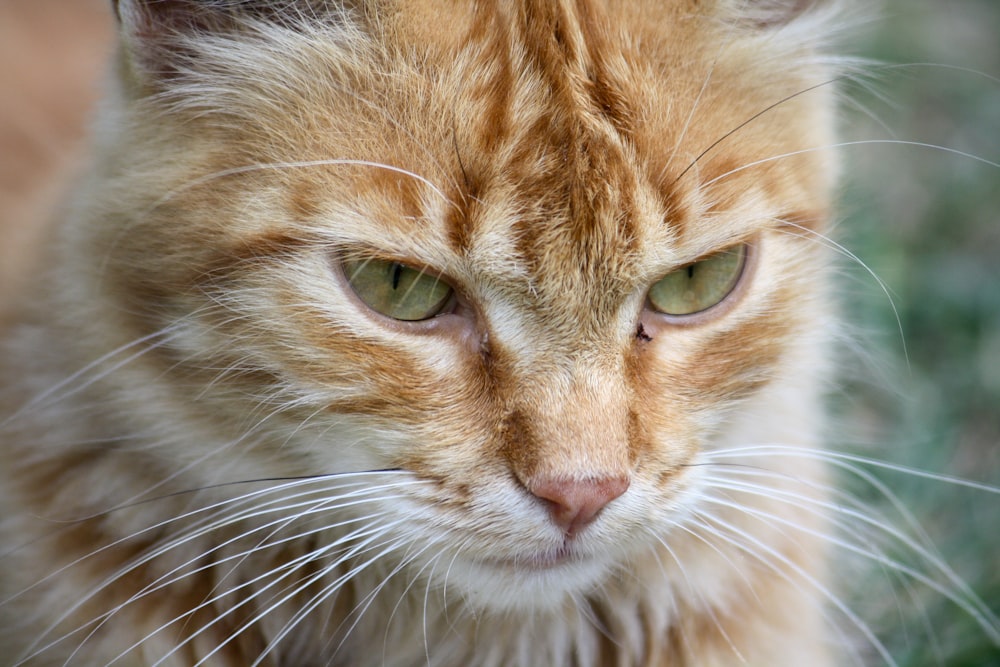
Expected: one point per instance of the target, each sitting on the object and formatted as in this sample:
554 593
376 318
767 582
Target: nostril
573 503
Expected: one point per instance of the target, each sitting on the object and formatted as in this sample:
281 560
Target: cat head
536 258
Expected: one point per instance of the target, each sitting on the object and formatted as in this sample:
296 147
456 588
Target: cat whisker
954 588
274 577
848 144
425 607
833 492
149 529
699 595
830 243
361 540
847 503
893 566
842 459
331 588
749 586
724 556
694 109
223 517
964 597
751 119
406 559
162 583
943 66
320 508
304 164
158 338
857 68
303 584
431 563
778 563
836 460
458 549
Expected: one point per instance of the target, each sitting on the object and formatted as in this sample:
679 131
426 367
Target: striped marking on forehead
546 134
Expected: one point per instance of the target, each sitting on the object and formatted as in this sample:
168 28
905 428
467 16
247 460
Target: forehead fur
572 151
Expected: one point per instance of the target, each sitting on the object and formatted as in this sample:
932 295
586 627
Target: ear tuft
150 19
764 14
158 35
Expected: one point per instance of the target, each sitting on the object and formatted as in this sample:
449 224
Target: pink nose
575 503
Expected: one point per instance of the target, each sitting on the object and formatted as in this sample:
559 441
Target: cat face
536 260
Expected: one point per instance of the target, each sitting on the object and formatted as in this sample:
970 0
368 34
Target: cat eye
699 285
396 290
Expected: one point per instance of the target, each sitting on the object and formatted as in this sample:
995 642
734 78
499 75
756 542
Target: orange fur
551 161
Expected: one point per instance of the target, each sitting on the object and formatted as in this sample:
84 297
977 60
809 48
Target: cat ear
765 14
219 14
158 35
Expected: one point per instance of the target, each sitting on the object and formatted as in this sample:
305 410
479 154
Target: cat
422 333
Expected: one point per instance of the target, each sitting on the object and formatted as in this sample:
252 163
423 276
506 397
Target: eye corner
642 335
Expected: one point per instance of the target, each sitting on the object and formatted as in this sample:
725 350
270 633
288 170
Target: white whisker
836 458
830 243
968 602
224 516
775 561
304 164
848 144
699 595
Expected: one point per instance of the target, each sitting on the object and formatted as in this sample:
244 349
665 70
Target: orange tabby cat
400 332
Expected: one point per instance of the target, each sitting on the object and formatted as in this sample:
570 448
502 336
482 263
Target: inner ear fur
765 14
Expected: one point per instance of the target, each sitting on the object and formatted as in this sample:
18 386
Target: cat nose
574 503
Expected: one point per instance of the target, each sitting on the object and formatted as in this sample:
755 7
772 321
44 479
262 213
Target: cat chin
545 582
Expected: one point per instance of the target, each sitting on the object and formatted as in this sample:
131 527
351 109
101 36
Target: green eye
699 285
397 290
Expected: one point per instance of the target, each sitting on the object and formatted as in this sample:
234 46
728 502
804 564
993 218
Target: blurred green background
925 390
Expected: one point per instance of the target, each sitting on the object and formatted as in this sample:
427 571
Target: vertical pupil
397 271
691 271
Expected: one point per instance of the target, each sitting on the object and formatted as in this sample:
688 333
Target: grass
928 223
